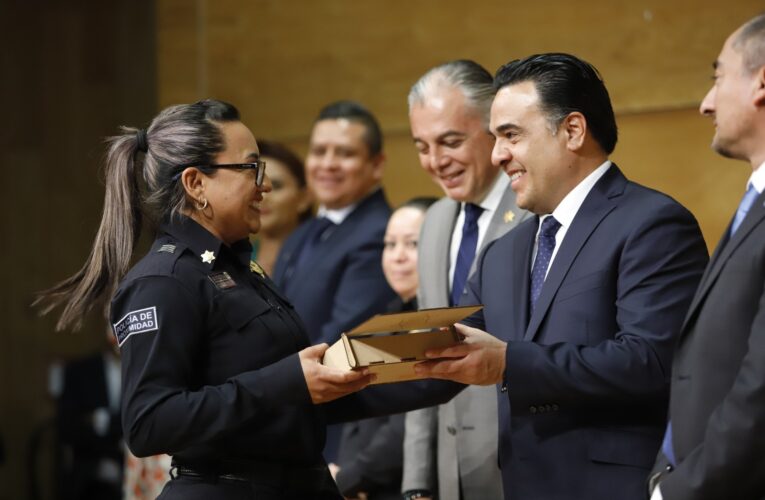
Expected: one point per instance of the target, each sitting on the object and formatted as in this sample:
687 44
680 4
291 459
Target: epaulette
167 247
162 257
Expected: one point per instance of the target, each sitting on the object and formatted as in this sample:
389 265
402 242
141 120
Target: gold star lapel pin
208 257
255 268
509 216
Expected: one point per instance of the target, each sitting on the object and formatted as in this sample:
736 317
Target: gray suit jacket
717 408
459 437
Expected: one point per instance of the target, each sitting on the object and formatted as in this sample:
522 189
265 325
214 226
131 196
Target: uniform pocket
241 305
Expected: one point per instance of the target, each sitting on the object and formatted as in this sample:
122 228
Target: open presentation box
389 345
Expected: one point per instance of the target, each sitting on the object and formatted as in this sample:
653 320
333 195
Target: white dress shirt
757 179
490 203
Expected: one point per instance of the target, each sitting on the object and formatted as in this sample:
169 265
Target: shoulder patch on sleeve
134 322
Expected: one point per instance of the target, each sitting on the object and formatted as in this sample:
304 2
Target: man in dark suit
583 301
89 428
330 267
714 447
370 457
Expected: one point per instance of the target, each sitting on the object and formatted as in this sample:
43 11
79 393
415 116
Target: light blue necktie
743 208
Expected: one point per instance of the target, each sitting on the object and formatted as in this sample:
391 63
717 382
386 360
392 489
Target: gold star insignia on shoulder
255 268
208 257
509 216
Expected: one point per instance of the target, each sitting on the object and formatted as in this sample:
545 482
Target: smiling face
537 160
280 210
399 260
233 211
731 103
339 168
453 144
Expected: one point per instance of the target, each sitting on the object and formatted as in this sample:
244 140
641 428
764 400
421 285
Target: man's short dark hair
355 112
565 84
751 42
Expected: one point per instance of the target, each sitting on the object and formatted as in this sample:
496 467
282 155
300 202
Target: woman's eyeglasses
259 166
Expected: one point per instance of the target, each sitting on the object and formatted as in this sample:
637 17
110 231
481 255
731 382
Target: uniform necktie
545 247
466 253
313 237
743 208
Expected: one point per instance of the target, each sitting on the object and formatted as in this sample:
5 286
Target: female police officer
217 370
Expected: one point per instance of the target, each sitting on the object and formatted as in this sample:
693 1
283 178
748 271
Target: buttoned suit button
451 430
555 407
532 409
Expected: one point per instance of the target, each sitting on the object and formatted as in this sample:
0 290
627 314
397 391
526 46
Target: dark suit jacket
587 374
717 406
84 391
341 284
370 457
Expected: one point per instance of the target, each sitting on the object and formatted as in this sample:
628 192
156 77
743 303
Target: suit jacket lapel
434 248
523 244
595 207
291 253
334 234
723 252
506 217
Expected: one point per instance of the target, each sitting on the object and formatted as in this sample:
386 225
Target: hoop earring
202 207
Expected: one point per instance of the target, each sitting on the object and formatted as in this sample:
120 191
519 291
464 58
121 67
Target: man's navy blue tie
466 253
545 247
318 227
743 208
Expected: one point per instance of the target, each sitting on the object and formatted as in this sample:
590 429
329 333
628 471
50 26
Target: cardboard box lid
424 319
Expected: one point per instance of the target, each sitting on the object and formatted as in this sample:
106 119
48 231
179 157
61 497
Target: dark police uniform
211 374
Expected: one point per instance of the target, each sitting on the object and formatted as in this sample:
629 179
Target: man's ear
305 200
759 87
194 182
378 162
575 128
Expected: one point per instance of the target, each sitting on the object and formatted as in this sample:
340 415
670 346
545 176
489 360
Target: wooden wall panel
72 73
670 151
281 61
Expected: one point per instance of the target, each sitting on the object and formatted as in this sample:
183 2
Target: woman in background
287 205
371 451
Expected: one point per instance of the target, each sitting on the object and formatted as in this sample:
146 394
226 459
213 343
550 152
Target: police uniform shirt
209 347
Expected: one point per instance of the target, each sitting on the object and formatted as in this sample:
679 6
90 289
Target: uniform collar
205 246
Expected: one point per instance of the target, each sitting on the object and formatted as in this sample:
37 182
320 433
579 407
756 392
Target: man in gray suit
449 113
714 446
